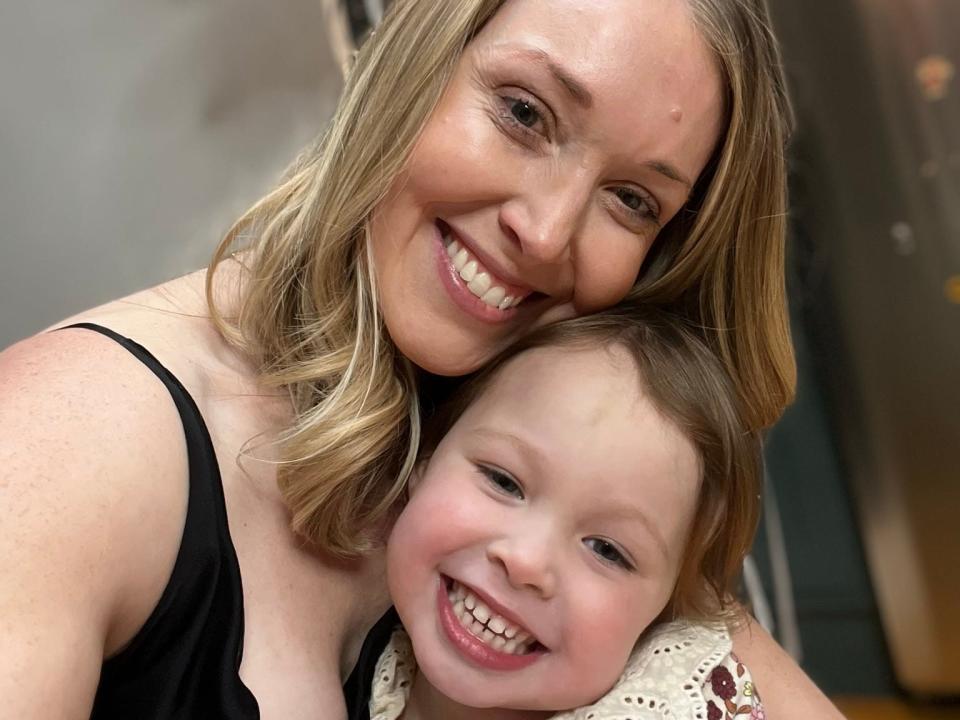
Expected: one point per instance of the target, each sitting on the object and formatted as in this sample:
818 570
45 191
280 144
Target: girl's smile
544 534
483 636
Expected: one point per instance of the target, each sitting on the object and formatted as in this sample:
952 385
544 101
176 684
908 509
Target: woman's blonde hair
687 383
308 315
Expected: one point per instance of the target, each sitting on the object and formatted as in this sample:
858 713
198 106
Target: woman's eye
524 112
636 203
502 482
524 116
608 552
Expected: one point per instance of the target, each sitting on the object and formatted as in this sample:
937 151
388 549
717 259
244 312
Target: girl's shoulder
679 670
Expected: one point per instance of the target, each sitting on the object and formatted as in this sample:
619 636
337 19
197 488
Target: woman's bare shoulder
786 690
93 491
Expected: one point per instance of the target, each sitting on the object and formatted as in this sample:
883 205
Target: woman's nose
527 562
544 219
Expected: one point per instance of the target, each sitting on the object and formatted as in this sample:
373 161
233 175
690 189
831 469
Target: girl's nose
527 561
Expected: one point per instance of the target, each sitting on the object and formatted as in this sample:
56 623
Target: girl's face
544 535
570 133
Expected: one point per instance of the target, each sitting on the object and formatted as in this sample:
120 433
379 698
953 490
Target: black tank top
185 661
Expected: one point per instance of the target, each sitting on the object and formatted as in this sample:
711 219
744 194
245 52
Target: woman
562 155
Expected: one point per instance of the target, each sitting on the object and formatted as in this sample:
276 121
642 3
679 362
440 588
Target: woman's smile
543 175
480 280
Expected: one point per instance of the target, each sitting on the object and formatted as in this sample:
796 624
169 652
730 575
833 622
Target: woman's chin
448 354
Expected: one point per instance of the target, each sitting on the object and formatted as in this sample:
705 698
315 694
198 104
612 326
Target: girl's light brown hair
687 383
307 314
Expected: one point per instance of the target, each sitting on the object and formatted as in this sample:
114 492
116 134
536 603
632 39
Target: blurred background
132 133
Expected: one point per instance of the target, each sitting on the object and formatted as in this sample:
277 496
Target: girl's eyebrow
521 445
623 512
633 514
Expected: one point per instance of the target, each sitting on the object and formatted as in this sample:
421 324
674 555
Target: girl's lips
472 648
492 604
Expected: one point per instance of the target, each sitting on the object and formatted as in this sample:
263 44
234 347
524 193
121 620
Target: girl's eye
502 482
639 205
608 552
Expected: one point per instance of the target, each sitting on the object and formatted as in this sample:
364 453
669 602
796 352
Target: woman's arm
787 693
91 507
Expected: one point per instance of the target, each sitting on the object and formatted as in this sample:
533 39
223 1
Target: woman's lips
474 289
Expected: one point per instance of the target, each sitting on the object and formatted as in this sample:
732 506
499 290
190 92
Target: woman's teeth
478 280
482 622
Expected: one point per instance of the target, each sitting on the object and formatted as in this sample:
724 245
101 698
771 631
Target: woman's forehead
610 35
653 84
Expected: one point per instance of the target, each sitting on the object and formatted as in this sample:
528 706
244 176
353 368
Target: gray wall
132 133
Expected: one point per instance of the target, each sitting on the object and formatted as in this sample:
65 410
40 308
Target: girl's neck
427 703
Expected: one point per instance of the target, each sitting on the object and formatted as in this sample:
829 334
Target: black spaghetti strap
184 662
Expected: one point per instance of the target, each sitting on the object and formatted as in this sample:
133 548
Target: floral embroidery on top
722 684
730 692
679 671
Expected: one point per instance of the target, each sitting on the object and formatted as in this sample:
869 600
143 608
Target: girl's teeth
481 612
494 630
452 249
460 259
505 303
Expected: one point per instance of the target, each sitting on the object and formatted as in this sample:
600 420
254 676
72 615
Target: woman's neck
427 703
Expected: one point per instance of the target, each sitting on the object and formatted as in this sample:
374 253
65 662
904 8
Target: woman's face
570 133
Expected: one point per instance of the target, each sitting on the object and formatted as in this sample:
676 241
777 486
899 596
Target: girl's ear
416 477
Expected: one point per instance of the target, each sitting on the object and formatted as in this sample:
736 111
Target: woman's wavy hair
308 315
687 383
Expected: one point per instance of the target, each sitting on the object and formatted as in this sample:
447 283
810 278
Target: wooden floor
893 709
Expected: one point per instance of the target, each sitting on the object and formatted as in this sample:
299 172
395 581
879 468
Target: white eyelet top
679 671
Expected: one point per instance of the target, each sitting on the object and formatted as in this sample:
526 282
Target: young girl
193 485
595 486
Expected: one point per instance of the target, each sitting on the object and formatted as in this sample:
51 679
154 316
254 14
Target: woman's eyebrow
669 171
575 88
578 91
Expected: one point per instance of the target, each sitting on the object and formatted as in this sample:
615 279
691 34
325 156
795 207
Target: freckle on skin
676 114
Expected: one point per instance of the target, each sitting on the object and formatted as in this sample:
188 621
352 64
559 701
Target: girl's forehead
547 387
576 424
